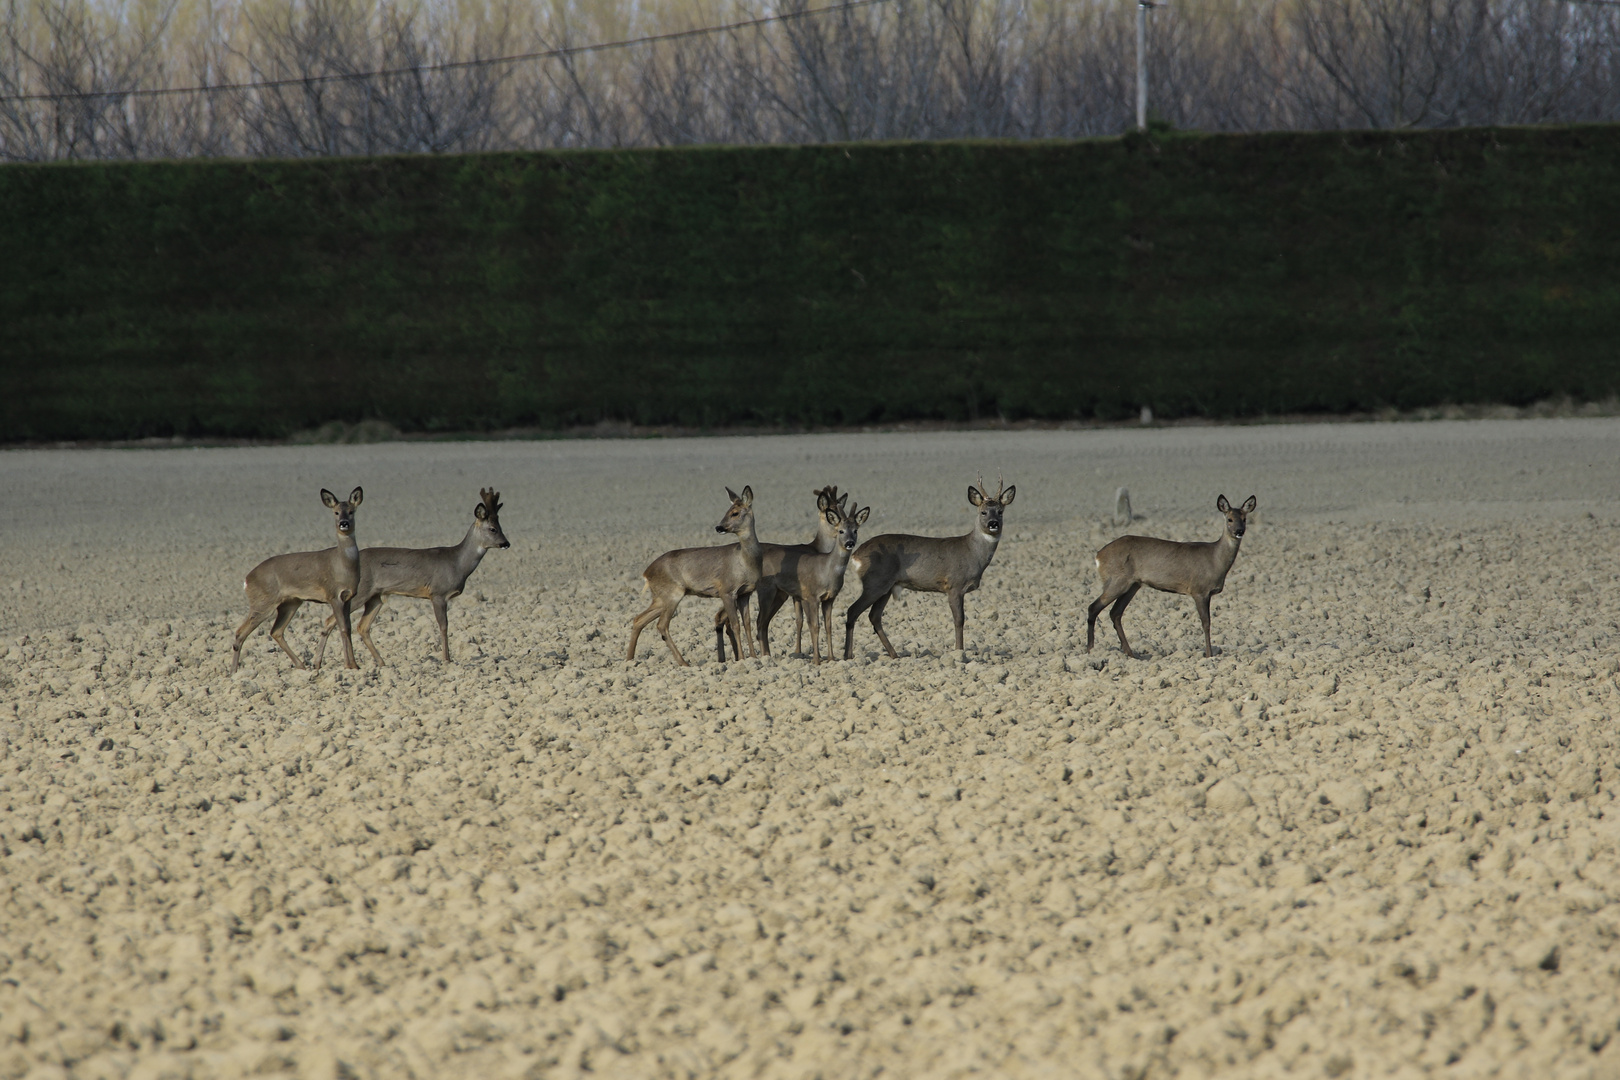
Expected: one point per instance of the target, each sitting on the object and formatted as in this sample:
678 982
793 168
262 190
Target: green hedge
1208 275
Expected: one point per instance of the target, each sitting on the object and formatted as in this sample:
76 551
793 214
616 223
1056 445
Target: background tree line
886 69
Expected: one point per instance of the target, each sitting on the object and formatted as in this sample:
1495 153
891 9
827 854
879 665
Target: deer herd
738 575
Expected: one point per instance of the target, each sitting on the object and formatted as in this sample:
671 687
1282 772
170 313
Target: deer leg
826 618
815 641
278 629
762 628
867 599
340 609
363 629
1092 612
1109 595
850 616
958 615
1117 613
441 613
877 624
770 602
798 626
638 623
745 625
737 632
721 629
326 632
249 624
367 616
1203 615
748 626
739 622
663 628
777 600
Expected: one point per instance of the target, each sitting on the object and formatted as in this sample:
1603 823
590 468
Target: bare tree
331 77
81 57
857 74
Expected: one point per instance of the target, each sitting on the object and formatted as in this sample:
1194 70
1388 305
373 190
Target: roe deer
819 577
437 574
951 565
822 542
1195 569
724 573
774 588
281 583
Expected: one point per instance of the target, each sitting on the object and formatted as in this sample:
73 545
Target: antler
1001 485
492 499
983 490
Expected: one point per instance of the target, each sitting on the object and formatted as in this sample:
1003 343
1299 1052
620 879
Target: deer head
991 507
487 515
344 511
1237 518
740 513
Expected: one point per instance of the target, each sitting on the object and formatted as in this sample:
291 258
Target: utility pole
1141 60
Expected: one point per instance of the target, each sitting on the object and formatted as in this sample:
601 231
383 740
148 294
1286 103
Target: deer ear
748 496
831 515
844 498
481 512
1222 505
733 495
822 501
1248 507
329 499
862 514
355 496
974 497
1007 496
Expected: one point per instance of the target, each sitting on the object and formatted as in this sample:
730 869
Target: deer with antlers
435 574
818 578
777 577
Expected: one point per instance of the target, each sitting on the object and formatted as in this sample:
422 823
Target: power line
544 54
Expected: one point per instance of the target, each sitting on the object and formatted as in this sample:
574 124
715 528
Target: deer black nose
719 528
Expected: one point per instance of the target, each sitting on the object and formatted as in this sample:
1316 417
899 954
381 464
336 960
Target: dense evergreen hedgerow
1207 275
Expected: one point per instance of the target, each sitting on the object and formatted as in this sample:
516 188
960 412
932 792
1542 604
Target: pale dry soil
1375 835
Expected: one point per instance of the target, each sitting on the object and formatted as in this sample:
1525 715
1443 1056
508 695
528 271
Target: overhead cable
450 65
